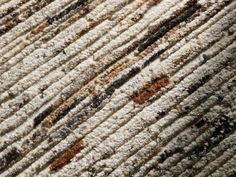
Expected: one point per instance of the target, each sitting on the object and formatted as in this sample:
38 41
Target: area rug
118 88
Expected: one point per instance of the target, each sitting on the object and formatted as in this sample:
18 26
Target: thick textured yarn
118 88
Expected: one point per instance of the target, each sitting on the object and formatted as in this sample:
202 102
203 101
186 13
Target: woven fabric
118 88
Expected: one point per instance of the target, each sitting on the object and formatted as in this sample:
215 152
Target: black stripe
66 11
15 20
168 25
223 126
8 158
65 111
40 117
116 84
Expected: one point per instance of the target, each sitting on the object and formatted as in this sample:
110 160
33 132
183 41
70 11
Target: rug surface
118 88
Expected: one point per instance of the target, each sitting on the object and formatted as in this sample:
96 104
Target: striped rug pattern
118 88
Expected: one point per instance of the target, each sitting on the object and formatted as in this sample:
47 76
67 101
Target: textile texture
118 88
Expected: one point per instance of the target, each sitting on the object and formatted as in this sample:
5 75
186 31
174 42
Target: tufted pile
118 88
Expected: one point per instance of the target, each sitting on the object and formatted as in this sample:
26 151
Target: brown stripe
40 27
67 156
11 9
10 23
150 89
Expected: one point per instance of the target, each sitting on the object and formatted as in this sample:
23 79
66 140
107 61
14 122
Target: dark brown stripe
76 102
10 23
81 117
8 158
97 100
11 9
68 19
178 61
223 127
41 116
115 85
118 83
66 11
154 56
169 24
201 82
179 149
93 24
